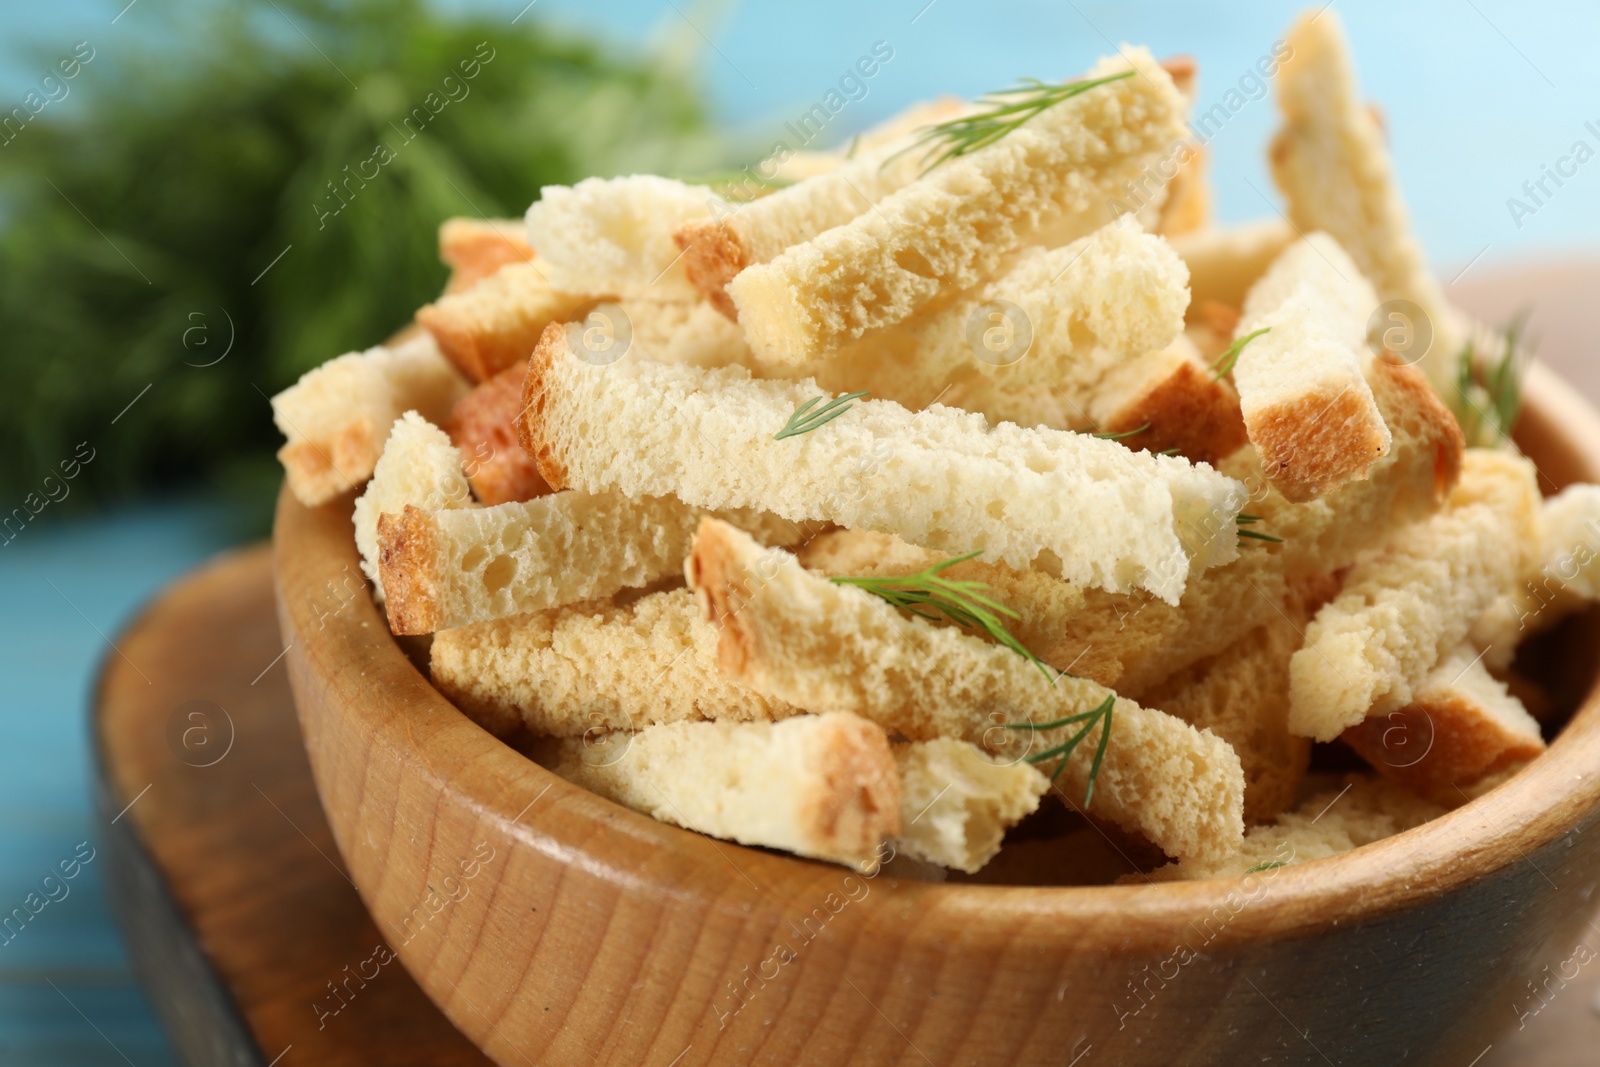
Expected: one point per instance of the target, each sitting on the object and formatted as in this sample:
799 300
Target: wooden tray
221 867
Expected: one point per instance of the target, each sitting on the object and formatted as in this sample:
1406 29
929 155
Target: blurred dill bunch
198 144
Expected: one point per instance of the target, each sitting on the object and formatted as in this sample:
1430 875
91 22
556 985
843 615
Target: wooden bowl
554 927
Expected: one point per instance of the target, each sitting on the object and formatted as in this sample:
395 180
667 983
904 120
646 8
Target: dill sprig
1257 535
1007 111
1122 435
1487 401
804 420
963 602
1224 364
1267 866
1089 719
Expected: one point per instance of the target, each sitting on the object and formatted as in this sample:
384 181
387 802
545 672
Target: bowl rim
1504 826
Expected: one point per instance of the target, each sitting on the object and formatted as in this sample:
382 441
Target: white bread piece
1403 608
1224 262
614 235
956 801
495 324
1462 724
716 249
823 786
1306 403
598 665
691 332
1357 811
1333 167
445 568
1088 308
957 226
1242 695
1169 395
337 417
1564 576
473 249
420 466
1410 483
798 637
1089 510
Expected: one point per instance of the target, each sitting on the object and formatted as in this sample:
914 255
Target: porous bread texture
1360 810
473 249
817 785
337 417
598 665
614 235
1410 483
1462 724
1054 178
691 332
1306 403
483 427
1224 262
1330 161
716 249
1170 399
957 801
1242 695
1085 509
1563 577
495 324
419 466
445 568
801 638
1404 607
1063 319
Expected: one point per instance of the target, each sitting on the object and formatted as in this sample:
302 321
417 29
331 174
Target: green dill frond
804 419
964 603
1224 364
1101 716
1007 110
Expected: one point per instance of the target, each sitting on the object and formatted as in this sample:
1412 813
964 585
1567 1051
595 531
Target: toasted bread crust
483 426
855 801
1463 743
408 543
712 571
317 470
530 421
1188 410
473 249
713 253
1315 442
1414 394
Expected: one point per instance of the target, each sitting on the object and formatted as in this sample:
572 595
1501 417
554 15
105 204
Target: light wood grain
224 874
597 935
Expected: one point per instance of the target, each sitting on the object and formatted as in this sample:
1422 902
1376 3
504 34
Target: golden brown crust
1314 442
1407 389
1188 204
719 584
483 426
473 249
713 253
858 803
1459 742
317 470
530 420
407 548
1188 410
